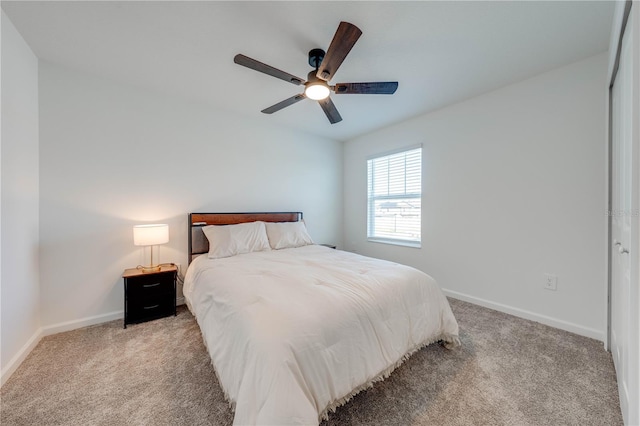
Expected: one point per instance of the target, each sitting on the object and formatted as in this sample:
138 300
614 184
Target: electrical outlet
550 282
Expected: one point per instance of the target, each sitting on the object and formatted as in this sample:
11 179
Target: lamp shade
150 235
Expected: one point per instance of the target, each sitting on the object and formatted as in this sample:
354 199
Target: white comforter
295 333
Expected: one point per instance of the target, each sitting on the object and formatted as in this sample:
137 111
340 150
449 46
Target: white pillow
229 240
287 234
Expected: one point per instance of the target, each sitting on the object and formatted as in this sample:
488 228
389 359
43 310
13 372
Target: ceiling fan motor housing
312 79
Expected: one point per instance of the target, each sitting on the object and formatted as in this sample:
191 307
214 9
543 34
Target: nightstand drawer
149 285
149 308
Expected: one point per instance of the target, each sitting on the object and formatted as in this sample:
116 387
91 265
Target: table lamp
149 236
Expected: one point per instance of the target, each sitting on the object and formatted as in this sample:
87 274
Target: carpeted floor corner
508 371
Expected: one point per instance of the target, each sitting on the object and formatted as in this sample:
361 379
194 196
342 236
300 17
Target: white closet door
624 227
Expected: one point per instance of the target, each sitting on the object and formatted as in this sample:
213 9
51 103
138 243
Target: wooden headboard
198 243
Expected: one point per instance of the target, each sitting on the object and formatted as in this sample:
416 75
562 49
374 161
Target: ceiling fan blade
246 61
345 37
277 107
378 88
330 110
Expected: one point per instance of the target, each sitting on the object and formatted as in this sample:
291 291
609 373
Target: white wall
20 316
512 188
112 156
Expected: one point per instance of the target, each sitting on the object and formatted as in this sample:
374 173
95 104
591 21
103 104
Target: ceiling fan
326 65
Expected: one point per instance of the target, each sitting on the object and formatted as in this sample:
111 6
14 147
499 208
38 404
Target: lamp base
146 269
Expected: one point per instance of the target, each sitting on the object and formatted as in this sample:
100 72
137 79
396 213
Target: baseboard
22 354
83 322
543 319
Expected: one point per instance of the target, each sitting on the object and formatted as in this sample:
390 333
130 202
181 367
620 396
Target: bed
296 332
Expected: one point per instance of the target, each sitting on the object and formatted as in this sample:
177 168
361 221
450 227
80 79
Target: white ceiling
439 52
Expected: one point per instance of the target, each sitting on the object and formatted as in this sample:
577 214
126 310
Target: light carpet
508 371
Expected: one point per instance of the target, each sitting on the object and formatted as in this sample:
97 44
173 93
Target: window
395 197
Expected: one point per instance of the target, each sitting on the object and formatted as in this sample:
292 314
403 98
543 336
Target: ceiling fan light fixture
317 91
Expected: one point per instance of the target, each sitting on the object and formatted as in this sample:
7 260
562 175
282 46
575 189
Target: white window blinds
394 197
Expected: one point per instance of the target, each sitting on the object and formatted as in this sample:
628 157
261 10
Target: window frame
372 199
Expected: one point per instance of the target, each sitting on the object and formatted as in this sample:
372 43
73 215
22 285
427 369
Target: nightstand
149 295
329 245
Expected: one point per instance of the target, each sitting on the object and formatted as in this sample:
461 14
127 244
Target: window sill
412 244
